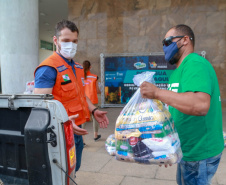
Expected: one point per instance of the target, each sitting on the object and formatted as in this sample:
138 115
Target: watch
94 110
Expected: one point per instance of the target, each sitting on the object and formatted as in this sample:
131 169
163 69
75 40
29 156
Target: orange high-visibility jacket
69 89
90 87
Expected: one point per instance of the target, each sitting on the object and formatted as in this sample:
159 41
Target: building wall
137 26
43 54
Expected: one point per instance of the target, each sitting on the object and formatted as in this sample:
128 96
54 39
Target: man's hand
149 90
77 130
101 118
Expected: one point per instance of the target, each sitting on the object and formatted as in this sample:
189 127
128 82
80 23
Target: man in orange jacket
61 76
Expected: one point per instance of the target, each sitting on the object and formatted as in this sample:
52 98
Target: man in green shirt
194 101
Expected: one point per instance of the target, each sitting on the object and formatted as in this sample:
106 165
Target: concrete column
19 43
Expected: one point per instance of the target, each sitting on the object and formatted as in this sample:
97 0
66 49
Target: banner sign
117 72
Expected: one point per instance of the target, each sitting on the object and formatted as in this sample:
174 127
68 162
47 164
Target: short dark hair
185 30
65 24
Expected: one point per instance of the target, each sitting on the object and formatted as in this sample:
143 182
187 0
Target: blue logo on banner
140 65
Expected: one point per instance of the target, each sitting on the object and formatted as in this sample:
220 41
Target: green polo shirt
201 136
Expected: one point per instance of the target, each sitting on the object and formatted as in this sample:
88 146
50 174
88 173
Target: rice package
144 131
110 145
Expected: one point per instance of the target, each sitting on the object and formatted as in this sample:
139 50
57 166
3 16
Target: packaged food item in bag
224 133
110 145
144 130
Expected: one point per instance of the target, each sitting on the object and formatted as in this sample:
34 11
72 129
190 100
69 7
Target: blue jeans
197 172
79 148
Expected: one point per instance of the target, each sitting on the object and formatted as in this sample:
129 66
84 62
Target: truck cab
36 141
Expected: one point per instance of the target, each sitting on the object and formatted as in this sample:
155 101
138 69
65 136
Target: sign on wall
118 70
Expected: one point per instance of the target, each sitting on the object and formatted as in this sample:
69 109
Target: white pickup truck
36 141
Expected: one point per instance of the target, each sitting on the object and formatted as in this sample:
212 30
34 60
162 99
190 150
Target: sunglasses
167 41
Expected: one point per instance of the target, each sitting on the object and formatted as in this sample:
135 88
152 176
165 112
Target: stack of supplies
110 144
144 130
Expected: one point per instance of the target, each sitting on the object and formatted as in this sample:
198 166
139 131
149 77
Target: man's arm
100 116
90 104
43 90
191 103
98 89
45 77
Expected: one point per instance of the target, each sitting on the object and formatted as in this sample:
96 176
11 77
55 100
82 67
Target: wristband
94 110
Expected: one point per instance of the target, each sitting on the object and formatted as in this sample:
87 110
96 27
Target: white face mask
68 49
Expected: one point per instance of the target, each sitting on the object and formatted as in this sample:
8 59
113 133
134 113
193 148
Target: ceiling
51 12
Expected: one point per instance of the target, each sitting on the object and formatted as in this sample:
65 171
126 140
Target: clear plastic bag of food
144 130
110 145
224 133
